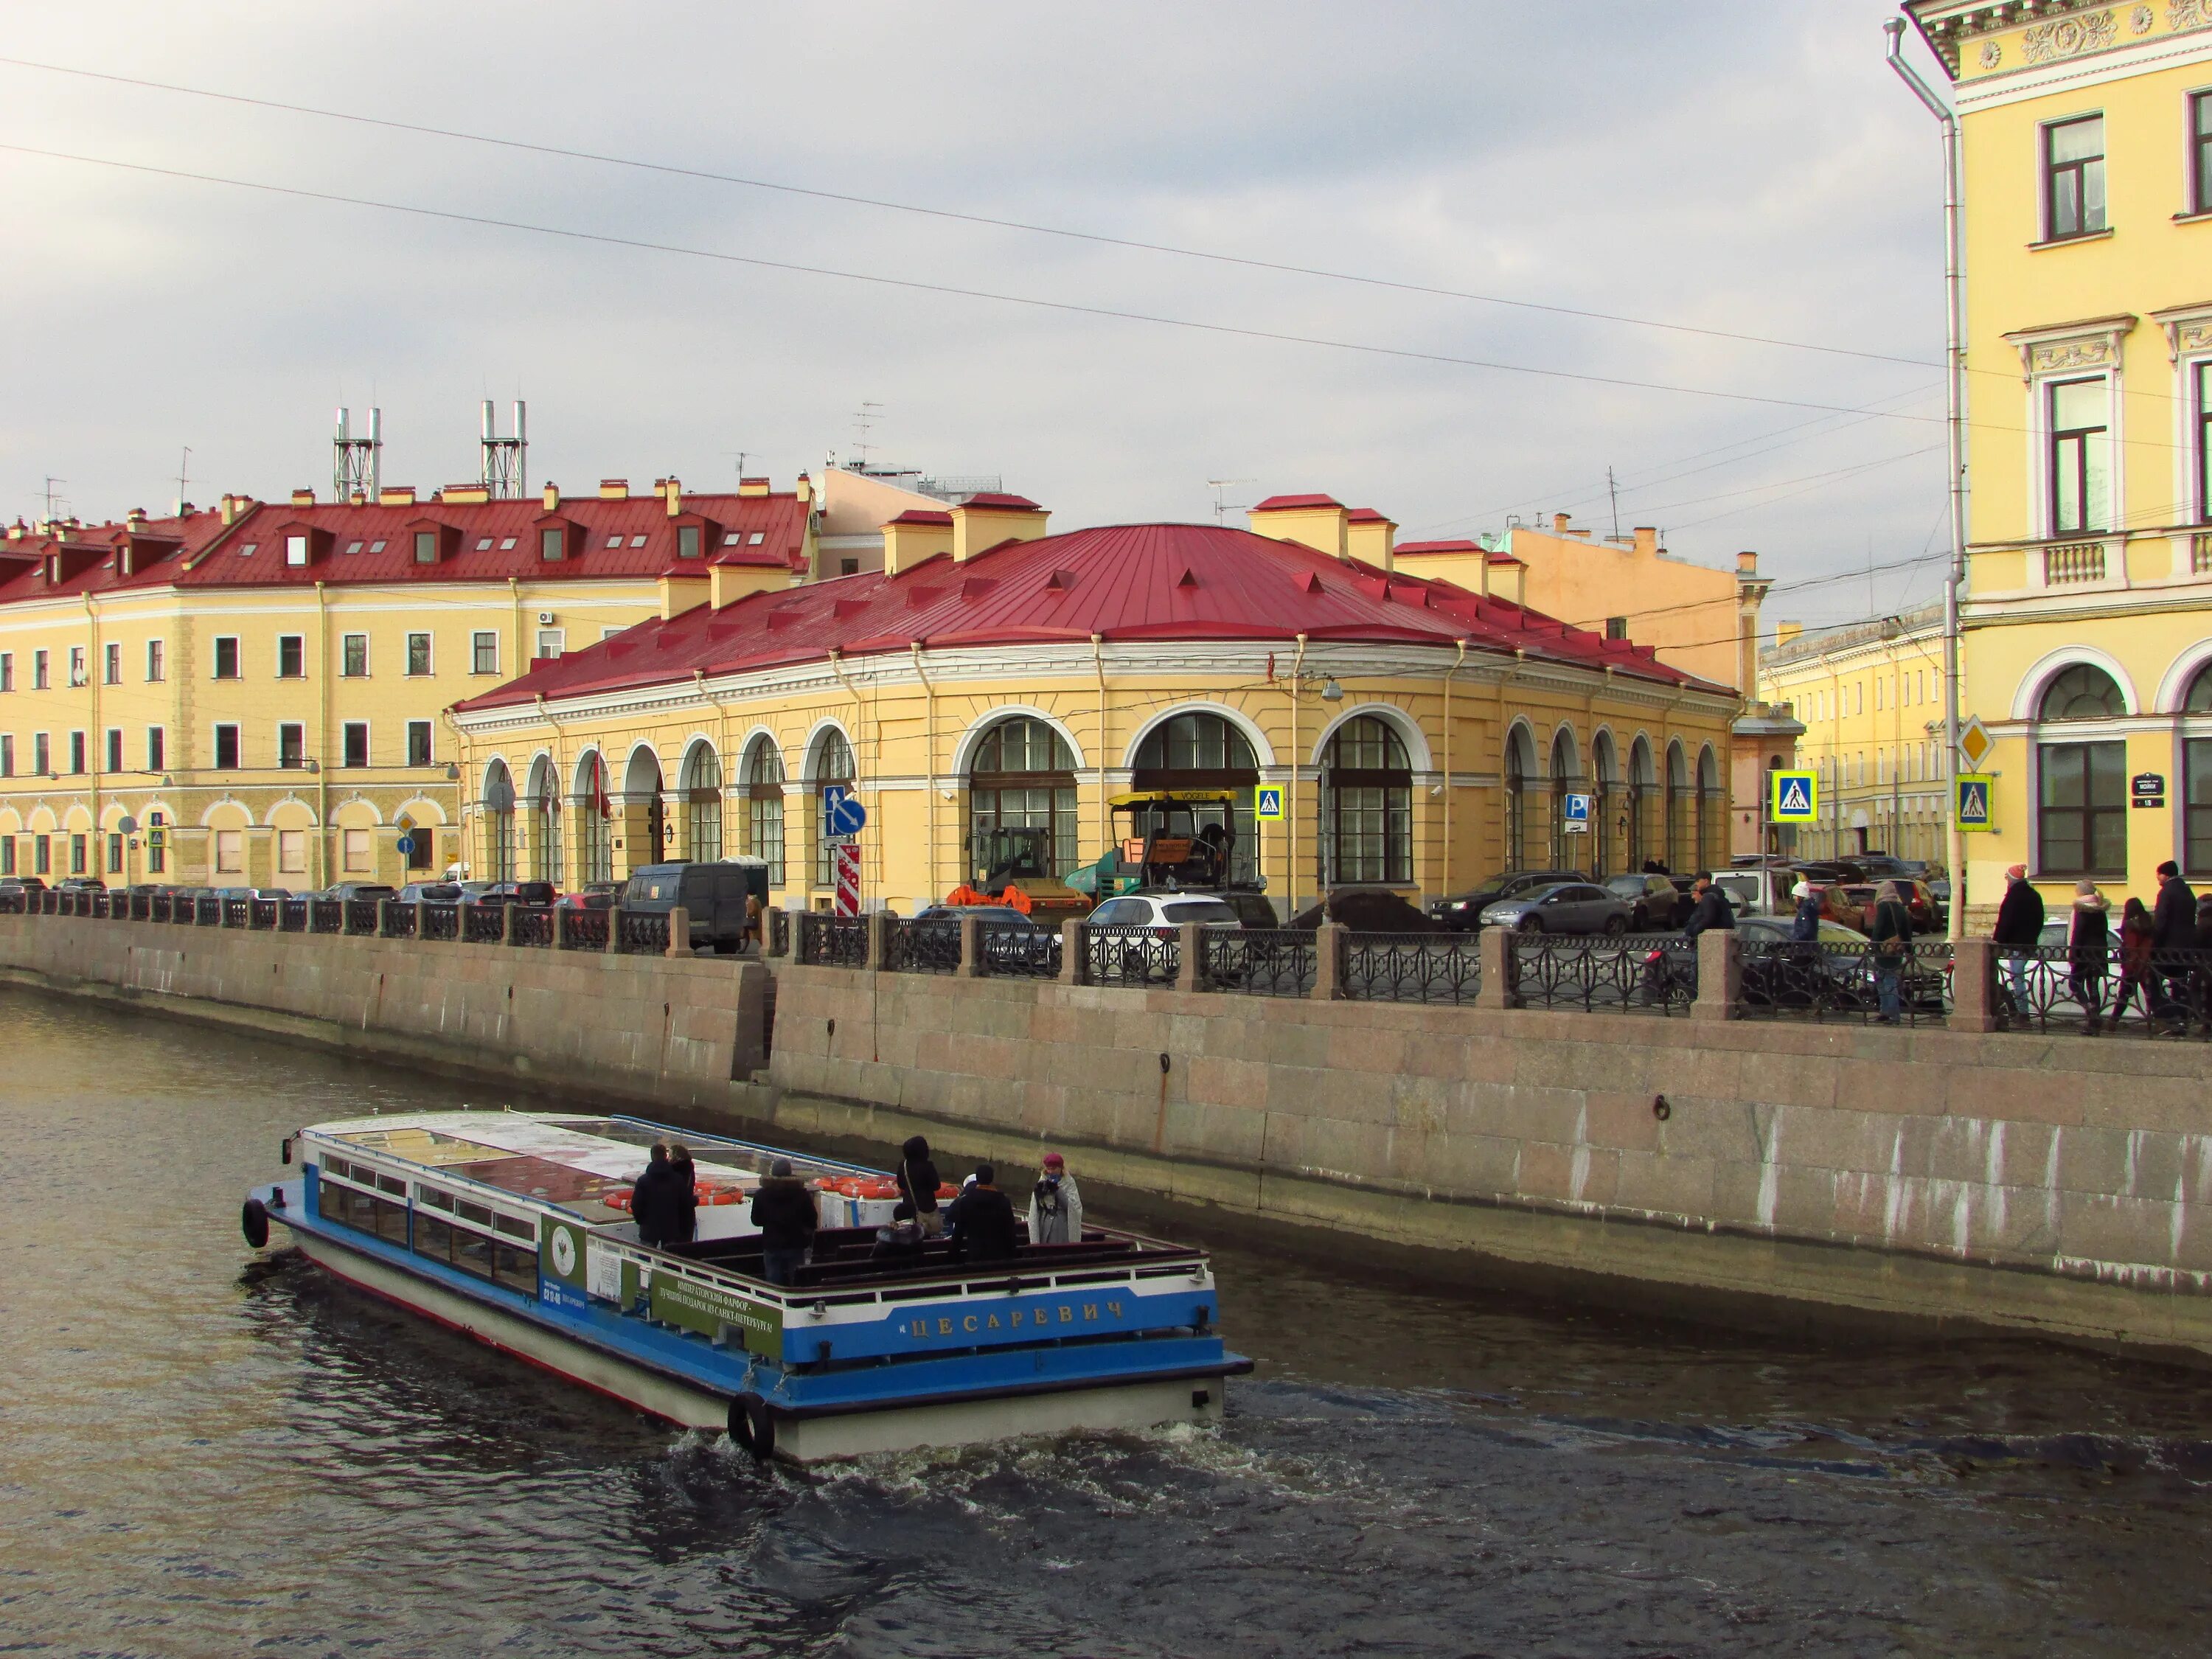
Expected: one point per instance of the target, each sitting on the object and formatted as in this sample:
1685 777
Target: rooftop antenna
357 464
52 498
503 467
1221 507
1613 489
183 466
864 419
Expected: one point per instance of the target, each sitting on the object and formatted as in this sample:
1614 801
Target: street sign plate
1578 811
2146 783
128 824
841 811
2148 800
1268 802
1975 743
1793 797
406 845
1973 802
849 880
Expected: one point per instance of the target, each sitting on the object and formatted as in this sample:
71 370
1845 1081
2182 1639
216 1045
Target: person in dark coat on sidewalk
2088 950
1711 909
653 1200
2172 927
787 1213
917 1184
982 1220
1891 930
683 1196
2019 921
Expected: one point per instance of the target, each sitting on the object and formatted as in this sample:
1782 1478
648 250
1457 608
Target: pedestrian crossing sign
1268 802
1795 796
1974 801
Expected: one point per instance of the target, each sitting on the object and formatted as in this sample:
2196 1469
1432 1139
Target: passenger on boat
684 1195
653 1200
982 1220
786 1212
899 1243
1055 1205
917 1184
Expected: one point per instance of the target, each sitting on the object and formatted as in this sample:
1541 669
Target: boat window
517 1226
510 1266
473 1253
479 1213
337 1166
434 1239
436 1197
392 1184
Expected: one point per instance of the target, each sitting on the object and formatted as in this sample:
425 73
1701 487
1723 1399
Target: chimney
1786 633
752 486
614 490
805 489
982 522
136 519
1315 522
914 536
303 498
1371 537
1560 521
681 593
1746 564
552 497
1647 539
398 495
673 491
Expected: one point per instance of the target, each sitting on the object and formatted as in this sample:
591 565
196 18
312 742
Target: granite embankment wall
2060 1184
670 1032
2055 1184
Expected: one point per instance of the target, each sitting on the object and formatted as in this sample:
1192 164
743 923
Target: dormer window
426 547
295 550
687 541
550 545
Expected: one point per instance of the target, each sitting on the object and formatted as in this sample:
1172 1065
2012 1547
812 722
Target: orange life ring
616 1199
719 1194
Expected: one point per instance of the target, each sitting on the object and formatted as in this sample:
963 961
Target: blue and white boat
499 1224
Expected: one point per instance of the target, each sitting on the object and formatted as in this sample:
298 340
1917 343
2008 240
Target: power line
914 285
986 219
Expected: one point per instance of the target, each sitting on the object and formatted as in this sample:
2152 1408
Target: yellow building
1870 697
257 695
2087 147
1422 733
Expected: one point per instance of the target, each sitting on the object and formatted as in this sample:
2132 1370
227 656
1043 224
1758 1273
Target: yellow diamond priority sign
1974 743
1793 797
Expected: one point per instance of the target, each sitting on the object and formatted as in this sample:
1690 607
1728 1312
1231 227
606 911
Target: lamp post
1954 403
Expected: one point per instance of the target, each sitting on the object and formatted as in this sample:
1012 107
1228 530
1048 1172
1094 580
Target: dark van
712 894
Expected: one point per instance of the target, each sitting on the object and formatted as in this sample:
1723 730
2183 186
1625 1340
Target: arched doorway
1367 805
1679 855
1023 777
701 784
1202 751
498 823
644 811
2082 782
1606 845
1568 850
594 815
829 761
1709 817
1643 785
1519 767
763 773
544 822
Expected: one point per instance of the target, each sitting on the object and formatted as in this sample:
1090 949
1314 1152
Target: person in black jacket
982 1220
683 1196
787 1213
1891 930
917 1184
1711 909
2019 921
2174 928
653 1200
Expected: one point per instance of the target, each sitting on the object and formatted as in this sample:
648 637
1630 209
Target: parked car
1463 911
1566 906
1835 971
1881 867
1852 904
360 891
429 892
1363 911
712 892
1166 910
1655 904
508 892
22 884
80 884
592 896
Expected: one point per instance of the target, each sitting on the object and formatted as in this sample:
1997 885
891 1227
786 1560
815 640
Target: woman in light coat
1056 1205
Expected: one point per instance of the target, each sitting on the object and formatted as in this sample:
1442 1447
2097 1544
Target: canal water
201 1455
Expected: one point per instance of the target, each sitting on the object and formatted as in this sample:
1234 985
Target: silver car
1566 907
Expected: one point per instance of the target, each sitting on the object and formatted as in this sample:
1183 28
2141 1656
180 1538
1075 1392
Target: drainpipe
94 670
1290 828
837 667
1954 843
1105 821
929 771
1458 663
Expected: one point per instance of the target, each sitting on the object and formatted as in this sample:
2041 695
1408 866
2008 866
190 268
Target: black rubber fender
752 1425
254 1222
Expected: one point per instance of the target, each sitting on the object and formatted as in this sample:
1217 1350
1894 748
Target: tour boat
513 1228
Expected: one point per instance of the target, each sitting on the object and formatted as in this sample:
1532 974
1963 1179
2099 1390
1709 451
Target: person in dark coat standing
683 1196
2019 921
653 1200
917 1184
1805 925
789 1214
982 1220
2136 973
1891 930
1711 909
2088 950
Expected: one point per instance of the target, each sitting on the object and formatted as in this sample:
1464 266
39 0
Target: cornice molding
2092 342
2188 328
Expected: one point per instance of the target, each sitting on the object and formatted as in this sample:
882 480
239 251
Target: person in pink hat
1055 1205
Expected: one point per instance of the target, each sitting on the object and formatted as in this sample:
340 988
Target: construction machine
1014 868
1171 838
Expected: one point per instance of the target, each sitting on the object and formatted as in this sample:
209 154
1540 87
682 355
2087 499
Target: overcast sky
1748 167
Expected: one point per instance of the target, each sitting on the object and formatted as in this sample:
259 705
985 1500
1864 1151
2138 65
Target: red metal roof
1419 548
924 515
1122 582
999 498
1366 515
487 541
1275 503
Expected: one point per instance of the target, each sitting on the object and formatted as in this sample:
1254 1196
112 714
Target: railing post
679 932
507 923
881 926
1190 956
1494 948
971 947
1720 975
614 930
1974 985
1331 941
421 921
383 916
1071 951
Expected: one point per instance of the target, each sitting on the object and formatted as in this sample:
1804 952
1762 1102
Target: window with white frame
157 661
2204 441
483 653
2074 178
418 654
418 743
2081 456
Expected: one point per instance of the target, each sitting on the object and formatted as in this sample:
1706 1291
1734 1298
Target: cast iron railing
1841 980
398 921
532 925
2054 987
828 941
644 933
1131 956
484 924
360 917
1412 968
579 929
292 915
325 915
441 921
778 939
1261 961
925 947
1012 952
1624 973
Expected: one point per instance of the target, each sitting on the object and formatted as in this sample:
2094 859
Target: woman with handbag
1892 933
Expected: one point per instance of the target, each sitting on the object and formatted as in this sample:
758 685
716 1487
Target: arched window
2199 700
498 823
1568 849
1519 764
544 822
1710 818
702 802
831 761
2197 766
1606 851
1200 750
1678 855
1023 777
2084 692
594 838
645 812
1642 783
764 806
1367 805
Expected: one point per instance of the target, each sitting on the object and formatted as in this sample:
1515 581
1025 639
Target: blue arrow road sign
841 811
406 845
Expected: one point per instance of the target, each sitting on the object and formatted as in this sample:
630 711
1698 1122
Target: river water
201 1455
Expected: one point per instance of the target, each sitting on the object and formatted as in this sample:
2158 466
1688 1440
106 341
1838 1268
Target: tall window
2080 475
226 748
1517 803
687 541
156 749
1680 853
2204 440
291 657
1204 751
426 547
594 844
353 656
291 745
418 743
295 550
114 748
765 807
1023 777
76 751
356 743
2074 178
157 661
38 669
498 823
2082 826
833 763
76 664
1367 808
702 803
7 670
544 822
112 665
418 654
2200 153
484 652
39 756
6 756
549 545
2197 780
225 658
